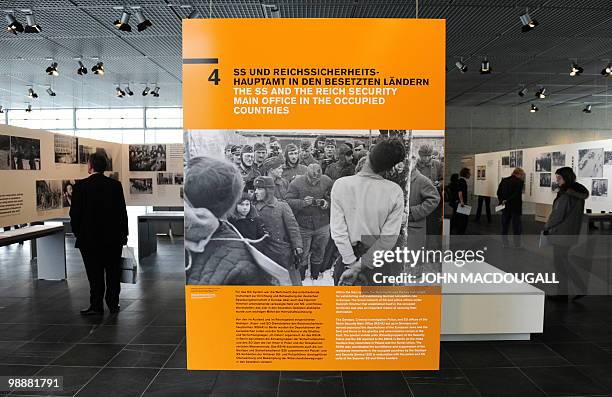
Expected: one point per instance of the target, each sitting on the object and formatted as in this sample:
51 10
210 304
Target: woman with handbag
563 227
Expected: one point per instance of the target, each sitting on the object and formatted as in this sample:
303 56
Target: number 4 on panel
214 77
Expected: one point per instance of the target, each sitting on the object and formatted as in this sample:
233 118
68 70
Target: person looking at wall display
459 221
99 221
510 194
563 227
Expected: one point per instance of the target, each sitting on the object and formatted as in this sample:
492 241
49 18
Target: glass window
47 119
110 118
163 136
164 118
119 136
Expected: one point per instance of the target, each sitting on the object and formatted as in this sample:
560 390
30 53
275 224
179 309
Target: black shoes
91 311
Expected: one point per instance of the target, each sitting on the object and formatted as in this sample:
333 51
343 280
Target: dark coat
565 220
251 227
341 167
225 263
98 215
280 222
309 217
510 190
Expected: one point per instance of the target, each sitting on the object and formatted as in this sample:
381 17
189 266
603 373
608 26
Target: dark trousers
486 200
514 218
103 264
459 222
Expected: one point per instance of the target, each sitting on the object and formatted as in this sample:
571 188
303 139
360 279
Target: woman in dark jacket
459 222
246 219
563 226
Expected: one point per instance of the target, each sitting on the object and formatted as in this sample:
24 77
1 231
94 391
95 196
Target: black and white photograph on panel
543 162
178 178
48 195
599 188
506 161
5 152
84 153
554 186
481 172
545 179
109 158
25 153
590 163
147 157
165 178
512 159
141 185
67 189
558 159
519 158
66 149
607 158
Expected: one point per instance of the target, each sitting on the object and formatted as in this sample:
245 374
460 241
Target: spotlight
51 92
146 90
52 70
98 68
541 93
32 94
155 92
485 67
528 23
129 91
143 22
82 69
31 25
523 91
123 24
576 70
607 71
14 25
119 92
461 66
587 109
29 108
534 108
194 14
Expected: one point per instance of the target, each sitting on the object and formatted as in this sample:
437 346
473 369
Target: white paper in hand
465 210
500 207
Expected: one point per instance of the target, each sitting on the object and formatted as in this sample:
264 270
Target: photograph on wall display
512 160
84 153
165 178
178 178
590 163
25 153
607 158
558 159
554 186
543 162
67 189
545 179
5 152
141 185
506 161
519 158
147 157
66 149
481 173
599 188
48 195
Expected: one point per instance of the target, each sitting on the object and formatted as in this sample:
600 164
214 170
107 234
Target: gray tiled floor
141 350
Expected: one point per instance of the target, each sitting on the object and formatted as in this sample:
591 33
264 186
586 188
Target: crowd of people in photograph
308 206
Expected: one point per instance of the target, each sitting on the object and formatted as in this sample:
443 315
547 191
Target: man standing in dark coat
99 222
510 194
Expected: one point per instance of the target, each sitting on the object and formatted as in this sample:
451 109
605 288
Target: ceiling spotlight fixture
119 92
98 69
528 23
541 93
155 92
146 90
461 66
607 71
29 108
485 67
82 69
576 70
123 24
52 70
32 94
51 92
534 108
129 91
523 91
587 109
14 25
143 22
194 14
31 25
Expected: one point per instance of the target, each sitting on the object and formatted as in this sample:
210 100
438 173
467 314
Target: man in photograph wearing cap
248 172
366 214
434 170
275 147
329 154
306 157
359 151
274 167
309 197
228 151
293 167
318 151
261 152
236 155
284 245
344 166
